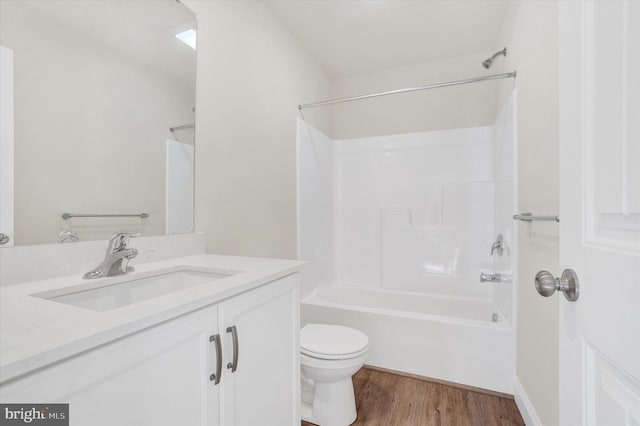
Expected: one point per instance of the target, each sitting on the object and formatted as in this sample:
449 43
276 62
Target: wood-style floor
386 399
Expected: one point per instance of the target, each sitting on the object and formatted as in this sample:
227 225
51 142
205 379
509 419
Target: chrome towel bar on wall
70 215
530 217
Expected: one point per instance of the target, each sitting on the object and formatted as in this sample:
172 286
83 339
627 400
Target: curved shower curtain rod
410 89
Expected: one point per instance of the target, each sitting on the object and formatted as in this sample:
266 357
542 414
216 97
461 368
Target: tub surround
396 249
412 212
37 332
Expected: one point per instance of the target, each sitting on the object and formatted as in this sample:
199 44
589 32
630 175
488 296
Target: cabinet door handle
215 378
234 334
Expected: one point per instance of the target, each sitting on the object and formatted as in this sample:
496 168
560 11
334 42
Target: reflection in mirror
96 87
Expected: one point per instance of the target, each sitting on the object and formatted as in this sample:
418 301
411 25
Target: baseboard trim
523 402
441 382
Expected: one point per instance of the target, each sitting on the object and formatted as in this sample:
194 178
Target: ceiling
356 36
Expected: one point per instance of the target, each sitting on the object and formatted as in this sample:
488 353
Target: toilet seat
332 342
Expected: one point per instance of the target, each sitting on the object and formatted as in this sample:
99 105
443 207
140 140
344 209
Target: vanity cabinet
162 375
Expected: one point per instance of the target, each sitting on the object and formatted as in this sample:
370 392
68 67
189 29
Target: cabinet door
159 376
264 390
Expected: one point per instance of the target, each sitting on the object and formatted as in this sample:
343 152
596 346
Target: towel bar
530 217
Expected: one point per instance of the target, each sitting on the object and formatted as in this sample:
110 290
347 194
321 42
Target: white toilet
329 356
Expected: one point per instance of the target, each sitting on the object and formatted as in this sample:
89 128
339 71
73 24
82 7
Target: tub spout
493 278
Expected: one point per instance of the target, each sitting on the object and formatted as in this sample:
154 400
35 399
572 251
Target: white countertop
35 332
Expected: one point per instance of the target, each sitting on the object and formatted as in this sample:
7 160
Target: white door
6 146
600 211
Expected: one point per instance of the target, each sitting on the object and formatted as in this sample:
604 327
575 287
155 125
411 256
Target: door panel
612 124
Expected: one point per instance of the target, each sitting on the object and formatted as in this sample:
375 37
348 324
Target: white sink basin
111 293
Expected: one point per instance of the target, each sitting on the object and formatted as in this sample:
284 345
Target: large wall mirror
97 119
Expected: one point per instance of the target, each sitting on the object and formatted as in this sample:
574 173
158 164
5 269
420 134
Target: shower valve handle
547 284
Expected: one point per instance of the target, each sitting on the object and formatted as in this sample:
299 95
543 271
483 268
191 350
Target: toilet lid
331 340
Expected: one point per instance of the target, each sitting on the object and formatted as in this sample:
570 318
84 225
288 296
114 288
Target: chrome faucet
498 246
116 259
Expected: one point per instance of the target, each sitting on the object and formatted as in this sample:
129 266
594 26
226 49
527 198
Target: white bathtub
442 337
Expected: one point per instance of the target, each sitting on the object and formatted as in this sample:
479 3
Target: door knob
547 284
4 238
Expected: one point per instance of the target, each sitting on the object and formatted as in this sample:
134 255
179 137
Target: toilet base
333 404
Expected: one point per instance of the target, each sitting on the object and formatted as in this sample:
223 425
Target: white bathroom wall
531 33
251 74
469 105
315 207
